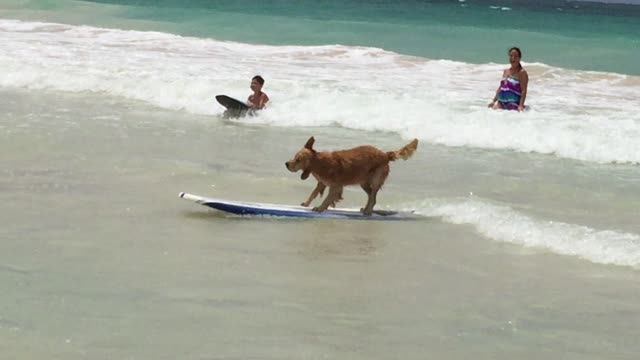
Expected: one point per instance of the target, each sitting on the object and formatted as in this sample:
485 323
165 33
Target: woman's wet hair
516 49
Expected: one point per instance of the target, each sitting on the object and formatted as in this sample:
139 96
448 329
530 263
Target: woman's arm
495 97
524 82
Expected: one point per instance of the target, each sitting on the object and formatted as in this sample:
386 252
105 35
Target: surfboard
235 107
254 208
231 103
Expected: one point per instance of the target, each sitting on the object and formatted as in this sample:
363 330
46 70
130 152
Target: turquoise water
577 35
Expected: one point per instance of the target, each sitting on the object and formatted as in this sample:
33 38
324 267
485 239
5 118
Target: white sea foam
581 115
504 224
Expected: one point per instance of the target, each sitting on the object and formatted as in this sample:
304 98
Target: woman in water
512 91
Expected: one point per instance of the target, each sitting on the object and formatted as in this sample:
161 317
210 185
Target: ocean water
530 246
569 34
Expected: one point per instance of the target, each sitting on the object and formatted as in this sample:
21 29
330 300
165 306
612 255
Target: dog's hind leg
317 191
334 195
376 181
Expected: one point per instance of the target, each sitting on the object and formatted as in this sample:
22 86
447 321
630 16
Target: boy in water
258 99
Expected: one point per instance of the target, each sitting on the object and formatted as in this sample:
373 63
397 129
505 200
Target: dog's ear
309 144
305 174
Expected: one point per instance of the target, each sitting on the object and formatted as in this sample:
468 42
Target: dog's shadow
346 239
320 238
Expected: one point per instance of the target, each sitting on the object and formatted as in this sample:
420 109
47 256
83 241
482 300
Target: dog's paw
305 204
318 209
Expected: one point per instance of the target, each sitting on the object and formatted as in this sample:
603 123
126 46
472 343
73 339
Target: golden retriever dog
365 165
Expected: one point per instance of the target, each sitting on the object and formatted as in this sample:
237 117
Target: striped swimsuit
510 93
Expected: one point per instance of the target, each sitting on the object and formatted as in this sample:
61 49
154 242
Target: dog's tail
405 152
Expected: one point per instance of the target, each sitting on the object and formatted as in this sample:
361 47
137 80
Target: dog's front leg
338 198
371 202
318 190
334 196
